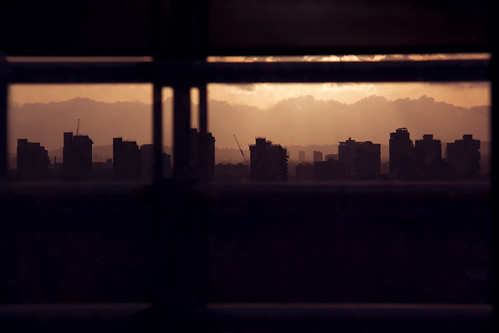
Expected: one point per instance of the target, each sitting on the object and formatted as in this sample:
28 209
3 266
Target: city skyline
297 155
354 160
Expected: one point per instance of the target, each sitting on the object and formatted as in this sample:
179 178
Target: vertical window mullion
157 132
181 133
3 117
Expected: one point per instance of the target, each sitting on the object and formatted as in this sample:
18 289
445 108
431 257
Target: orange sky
262 95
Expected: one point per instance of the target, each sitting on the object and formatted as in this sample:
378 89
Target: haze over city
288 114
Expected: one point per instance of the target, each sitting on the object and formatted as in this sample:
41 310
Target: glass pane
84 133
352 124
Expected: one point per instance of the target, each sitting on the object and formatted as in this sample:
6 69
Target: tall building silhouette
268 162
463 158
32 161
428 156
77 157
126 160
208 144
359 160
401 155
203 155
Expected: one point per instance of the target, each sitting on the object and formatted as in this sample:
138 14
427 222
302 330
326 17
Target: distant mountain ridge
304 121
297 121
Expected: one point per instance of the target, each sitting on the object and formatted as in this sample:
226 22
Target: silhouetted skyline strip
354 160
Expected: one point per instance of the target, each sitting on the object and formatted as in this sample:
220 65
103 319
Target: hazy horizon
300 120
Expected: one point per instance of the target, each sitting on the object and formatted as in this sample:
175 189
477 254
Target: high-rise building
463 158
207 161
428 156
368 161
347 151
32 161
77 157
359 160
401 155
203 156
126 160
268 162
318 157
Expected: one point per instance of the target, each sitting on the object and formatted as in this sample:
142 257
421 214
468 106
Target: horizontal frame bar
80 72
195 72
381 71
351 317
354 311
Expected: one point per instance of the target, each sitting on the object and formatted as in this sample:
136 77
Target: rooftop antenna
78 127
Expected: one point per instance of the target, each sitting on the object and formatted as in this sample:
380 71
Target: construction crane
78 127
240 149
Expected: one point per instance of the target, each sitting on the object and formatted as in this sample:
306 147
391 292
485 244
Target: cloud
264 95
245 87
353 57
